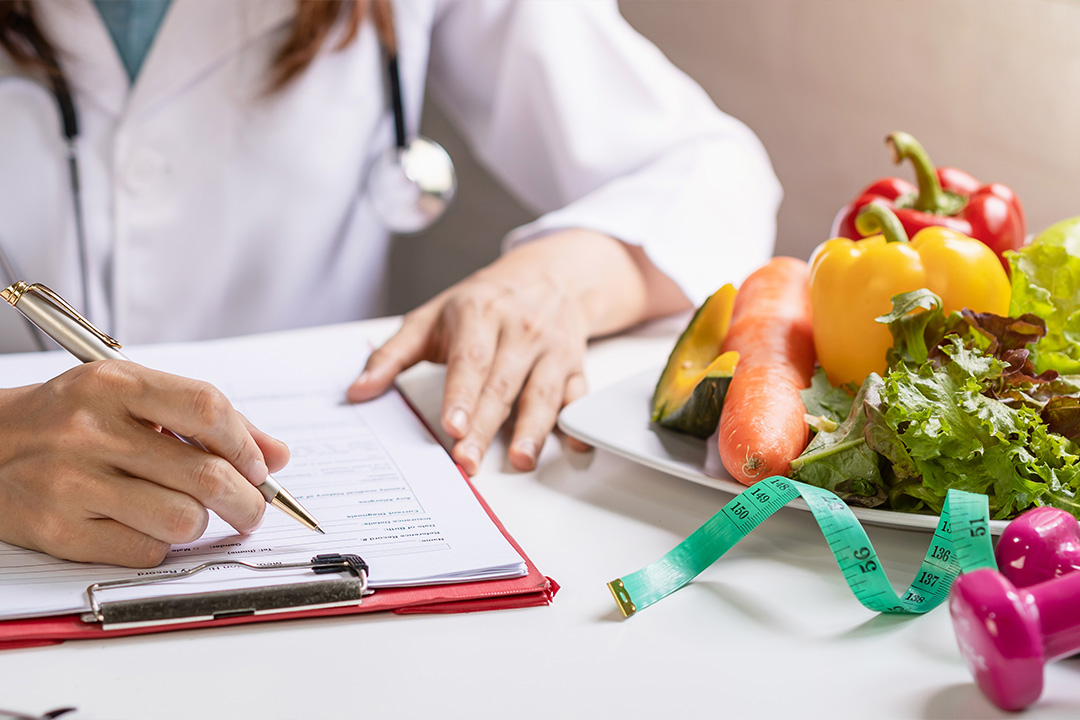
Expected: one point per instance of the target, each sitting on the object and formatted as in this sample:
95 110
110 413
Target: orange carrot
762 427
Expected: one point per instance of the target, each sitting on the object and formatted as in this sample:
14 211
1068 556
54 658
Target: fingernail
527 447
257 524
472 454
459 421
357 391
257 471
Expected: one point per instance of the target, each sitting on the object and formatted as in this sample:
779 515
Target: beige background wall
991 86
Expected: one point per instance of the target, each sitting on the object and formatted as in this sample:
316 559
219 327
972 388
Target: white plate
616 418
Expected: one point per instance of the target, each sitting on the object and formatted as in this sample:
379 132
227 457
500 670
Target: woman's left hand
516 331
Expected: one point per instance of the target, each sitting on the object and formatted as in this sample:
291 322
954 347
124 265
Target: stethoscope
410 185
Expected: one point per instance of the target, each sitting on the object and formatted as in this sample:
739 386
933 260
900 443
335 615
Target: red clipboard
531 590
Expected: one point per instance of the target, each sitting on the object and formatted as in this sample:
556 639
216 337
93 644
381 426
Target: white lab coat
213 210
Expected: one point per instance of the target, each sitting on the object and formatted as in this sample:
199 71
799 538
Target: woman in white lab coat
225 191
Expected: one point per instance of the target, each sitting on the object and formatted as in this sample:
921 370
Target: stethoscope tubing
69 119
56 83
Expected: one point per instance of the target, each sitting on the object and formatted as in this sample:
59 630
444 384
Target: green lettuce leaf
1046 283
917 324
822 400
961 406
954 436
840 460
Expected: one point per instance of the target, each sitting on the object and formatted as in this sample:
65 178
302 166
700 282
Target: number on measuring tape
961 542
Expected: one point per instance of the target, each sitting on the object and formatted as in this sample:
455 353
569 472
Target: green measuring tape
961 542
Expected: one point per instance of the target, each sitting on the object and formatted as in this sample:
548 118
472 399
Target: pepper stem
876 218
931 197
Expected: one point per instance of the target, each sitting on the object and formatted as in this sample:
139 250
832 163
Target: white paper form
378 482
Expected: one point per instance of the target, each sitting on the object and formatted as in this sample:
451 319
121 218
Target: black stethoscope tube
57 81
61 92
70 121
395 101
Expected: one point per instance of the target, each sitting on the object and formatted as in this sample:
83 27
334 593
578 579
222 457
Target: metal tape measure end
622 598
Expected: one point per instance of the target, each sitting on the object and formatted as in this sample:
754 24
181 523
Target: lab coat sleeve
588 123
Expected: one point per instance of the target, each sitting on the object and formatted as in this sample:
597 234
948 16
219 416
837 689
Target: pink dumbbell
1041 544
1006 634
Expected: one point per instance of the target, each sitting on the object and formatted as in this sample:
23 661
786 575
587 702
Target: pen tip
319 530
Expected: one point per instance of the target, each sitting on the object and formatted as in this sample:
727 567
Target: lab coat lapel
86 52
195 36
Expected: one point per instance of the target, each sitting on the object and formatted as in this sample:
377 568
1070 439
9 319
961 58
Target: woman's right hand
87 474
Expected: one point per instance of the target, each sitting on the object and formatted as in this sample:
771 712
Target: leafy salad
971 401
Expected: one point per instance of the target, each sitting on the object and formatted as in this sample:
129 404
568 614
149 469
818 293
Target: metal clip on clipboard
216 605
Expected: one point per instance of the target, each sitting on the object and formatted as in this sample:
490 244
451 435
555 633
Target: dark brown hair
314 21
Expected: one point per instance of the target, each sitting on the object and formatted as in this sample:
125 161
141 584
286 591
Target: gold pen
71 331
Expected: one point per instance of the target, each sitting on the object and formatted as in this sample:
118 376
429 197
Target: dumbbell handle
1007 634
1058 606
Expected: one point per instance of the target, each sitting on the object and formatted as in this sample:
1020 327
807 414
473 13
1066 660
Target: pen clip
75 314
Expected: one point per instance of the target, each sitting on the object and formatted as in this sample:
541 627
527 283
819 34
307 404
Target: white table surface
771 630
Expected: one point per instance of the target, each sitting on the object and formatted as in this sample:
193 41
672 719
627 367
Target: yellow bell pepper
853 281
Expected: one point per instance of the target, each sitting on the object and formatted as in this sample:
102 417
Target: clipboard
530 590
336 348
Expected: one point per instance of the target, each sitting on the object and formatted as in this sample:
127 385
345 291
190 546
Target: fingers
497 391
187 407
275 452
220 476
87 473
135 526
106 540
161 514
207 480
500 334
539 405
407 347
470 371
554 383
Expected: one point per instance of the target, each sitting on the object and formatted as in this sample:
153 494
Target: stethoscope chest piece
411 186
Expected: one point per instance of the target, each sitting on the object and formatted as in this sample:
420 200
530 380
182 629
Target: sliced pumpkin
690 393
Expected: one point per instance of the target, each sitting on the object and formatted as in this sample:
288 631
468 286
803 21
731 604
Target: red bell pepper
946 197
